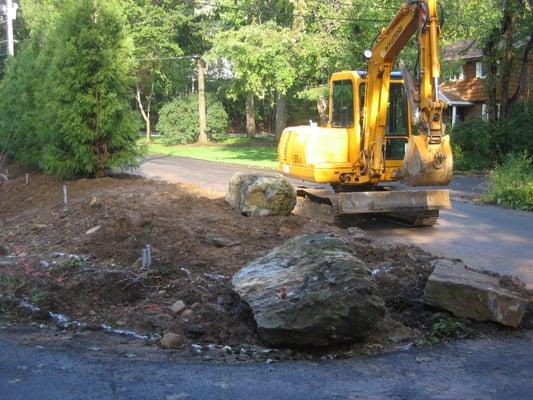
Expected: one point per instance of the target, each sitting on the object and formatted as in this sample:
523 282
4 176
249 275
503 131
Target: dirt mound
198 242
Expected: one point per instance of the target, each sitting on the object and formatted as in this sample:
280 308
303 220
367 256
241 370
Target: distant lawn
258 152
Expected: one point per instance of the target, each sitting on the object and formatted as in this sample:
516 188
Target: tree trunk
145 114
322 108
202 137
523 79
148 127
491 61
281 122
250 115
508 25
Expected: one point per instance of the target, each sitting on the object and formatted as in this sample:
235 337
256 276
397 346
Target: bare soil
198 242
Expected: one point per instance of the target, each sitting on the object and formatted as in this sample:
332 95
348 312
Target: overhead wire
284 14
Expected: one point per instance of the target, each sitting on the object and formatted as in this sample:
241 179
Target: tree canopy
265 59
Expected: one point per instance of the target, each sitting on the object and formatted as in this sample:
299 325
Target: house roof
453 98
468 50
462 50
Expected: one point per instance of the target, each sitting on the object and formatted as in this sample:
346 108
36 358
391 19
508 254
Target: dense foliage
511 183
67 100
179 122
480 144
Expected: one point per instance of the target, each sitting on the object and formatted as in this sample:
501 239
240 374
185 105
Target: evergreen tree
89 124
21 113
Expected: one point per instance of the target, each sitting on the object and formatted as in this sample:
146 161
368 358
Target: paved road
484 237
463 370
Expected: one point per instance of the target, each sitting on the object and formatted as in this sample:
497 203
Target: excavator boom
428 158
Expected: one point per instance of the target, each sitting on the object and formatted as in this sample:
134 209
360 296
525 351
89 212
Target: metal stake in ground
146 258
27 178
65 197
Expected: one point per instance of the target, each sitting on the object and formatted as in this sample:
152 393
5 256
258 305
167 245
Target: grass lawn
258 152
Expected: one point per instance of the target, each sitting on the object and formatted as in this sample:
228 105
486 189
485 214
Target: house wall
472 89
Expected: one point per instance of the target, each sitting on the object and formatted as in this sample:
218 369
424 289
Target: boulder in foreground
471 294
311 291
261 194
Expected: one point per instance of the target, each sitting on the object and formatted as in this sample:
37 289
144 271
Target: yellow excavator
385 134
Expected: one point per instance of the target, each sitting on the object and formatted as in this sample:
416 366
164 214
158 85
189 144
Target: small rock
93 230
94 201
195 331
423 359
120 322
224 299
130 355
178 307
356 233
39 226
196 306
223 242
226 349
187 314
171 340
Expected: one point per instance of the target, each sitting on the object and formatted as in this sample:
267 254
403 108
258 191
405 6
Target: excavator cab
334 154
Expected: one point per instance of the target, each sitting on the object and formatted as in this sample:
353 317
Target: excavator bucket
426 163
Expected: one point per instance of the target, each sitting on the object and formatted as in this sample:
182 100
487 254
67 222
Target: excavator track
350 209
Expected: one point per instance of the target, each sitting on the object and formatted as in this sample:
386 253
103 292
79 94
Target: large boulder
471 294
311 291
261 194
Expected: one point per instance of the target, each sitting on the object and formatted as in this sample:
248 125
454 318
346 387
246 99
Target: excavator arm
428 157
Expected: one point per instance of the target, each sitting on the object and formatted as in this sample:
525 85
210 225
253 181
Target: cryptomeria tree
89 124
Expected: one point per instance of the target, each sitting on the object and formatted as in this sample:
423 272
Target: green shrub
511 183
471 145
482 145
179 120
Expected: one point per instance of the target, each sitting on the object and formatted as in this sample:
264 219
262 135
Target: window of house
481 71
342 113
462 73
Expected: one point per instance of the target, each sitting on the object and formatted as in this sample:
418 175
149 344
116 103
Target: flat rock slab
470 294
311 291
261 194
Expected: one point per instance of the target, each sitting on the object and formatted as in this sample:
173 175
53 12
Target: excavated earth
60 280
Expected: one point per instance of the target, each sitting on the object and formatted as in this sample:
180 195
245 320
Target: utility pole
10 12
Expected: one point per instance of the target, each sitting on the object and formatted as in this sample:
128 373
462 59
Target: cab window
397 128
342 112
397 113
